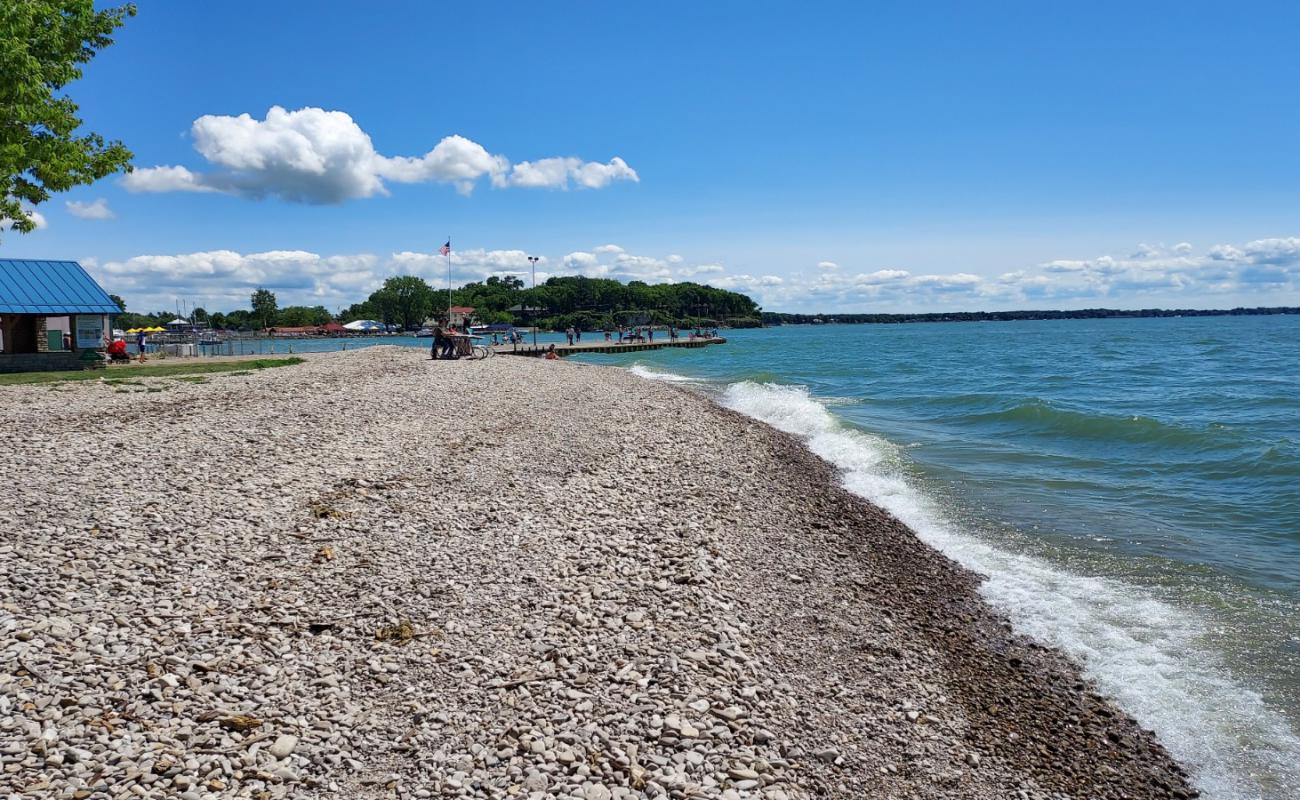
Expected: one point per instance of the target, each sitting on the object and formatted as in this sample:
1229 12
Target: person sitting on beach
439 342
551 355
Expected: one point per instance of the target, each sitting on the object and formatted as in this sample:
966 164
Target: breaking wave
1150 656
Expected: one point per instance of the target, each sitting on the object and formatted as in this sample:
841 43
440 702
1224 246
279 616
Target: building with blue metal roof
53 315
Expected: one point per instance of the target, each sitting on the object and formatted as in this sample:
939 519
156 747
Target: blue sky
838 157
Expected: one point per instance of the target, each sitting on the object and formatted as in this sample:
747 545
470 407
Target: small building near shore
461 316
53 316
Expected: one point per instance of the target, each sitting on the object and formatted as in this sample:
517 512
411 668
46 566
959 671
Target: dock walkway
607 347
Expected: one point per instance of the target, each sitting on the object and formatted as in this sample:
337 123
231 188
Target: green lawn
120 374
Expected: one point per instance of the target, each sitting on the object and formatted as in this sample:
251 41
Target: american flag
445 250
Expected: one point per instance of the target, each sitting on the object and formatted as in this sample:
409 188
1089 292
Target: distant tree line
407 301
773 318
263 312
585 303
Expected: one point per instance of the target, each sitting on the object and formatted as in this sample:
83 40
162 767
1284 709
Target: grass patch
127 375
191 378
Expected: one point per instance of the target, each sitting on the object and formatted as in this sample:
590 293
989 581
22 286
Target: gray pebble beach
373 575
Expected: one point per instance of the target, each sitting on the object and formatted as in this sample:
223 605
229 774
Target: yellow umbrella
133 330
156 329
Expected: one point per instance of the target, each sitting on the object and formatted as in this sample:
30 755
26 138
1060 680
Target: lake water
1131 488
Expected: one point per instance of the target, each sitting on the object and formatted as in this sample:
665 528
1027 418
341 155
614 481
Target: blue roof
50 287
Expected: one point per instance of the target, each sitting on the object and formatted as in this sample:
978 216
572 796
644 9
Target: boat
424 333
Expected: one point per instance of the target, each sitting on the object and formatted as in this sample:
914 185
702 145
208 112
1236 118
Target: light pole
532 260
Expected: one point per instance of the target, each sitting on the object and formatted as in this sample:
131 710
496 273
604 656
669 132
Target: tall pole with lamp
532 260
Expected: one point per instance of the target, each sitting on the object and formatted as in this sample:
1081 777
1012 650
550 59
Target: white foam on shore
1144 653
666 377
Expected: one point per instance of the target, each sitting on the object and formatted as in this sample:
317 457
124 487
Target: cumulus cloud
1266 271
612 261
699 269
224 279
97 210
827 265
165 179
558 173
323 157
1263 272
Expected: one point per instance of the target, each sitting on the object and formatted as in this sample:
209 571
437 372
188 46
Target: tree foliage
264 308
42 45
597 303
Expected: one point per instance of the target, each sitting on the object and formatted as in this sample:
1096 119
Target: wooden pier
606 347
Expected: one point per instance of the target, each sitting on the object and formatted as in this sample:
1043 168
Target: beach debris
321 510
400 632
241 723
326 553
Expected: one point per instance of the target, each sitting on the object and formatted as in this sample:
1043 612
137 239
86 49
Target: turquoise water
1131 488
330 344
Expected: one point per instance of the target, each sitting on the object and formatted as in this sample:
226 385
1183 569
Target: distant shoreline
772 318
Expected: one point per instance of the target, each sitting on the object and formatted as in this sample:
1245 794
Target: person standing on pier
569 333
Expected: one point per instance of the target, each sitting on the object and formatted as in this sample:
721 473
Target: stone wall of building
42 362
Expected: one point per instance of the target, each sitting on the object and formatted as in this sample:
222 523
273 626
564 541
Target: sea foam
1144 653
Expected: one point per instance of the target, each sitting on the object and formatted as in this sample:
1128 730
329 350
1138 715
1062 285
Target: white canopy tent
364 325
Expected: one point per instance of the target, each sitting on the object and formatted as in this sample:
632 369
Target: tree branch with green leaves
43 44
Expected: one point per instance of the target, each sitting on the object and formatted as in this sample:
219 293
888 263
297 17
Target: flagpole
448 281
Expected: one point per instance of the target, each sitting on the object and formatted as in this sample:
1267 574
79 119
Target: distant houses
53 316
328 329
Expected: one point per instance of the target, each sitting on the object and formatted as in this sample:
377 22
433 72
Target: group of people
637 334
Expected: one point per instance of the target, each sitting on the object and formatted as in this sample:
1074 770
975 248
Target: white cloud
224 279
97 210
827 265
164 179
1260 272
1264 272
316 156
580 261
699 269
556 173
